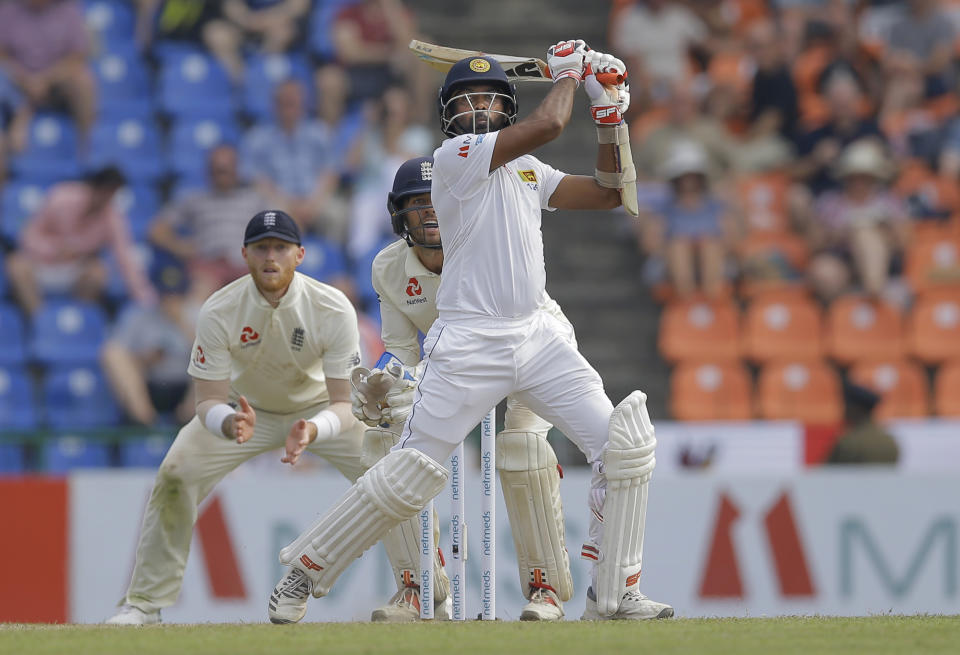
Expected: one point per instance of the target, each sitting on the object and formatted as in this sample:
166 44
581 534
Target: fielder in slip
406 275
493 338
280 344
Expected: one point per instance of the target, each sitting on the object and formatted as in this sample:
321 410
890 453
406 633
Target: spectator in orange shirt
61 244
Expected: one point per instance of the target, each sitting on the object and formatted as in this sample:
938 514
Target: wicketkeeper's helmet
413 178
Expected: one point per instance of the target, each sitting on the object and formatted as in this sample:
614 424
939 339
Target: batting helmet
475 70
413 178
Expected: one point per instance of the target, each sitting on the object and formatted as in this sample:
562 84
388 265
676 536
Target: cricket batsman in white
494 339
406 275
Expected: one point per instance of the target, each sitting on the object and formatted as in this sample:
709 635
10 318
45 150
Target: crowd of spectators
799 156
137 138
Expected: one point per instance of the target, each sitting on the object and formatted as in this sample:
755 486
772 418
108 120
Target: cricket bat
524 69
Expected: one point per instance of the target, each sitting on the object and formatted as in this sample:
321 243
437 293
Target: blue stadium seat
112 21
191 139
116 286
51 152
20 201
13 328
17 405
321 18
264 72
66 453
324 260
194 84
78 398
4 285
362 275
123 84
12 458
67 331
140 202
132 144
145 452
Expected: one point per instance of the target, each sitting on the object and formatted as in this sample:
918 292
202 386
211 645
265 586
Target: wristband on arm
328 424
215 416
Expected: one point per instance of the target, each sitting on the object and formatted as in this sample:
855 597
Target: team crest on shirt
249 337
199 359
529 176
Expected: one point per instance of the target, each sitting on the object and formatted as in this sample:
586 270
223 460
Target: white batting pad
392 491
531 492
402 542
627 465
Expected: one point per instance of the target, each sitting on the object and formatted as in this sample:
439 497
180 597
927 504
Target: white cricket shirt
490 223
279 358
407 293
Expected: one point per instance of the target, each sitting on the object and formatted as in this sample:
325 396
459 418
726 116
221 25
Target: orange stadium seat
934 262
705 391
699 329
902 386
764 200
933 327
857 329
946 389
788 327
803 390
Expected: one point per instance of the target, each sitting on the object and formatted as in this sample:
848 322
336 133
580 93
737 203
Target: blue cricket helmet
413 178
480 69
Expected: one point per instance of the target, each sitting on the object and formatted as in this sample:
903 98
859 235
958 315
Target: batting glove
607 104
567 59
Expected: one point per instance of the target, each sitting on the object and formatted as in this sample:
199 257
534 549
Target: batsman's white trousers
473 364
197 460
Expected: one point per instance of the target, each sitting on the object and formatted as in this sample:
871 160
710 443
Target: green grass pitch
780 636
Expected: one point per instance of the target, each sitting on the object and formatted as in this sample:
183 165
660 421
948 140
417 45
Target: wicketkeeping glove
566 59
607 105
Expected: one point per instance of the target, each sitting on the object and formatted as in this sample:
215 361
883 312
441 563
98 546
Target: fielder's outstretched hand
607 104
244 420
301 435
566 59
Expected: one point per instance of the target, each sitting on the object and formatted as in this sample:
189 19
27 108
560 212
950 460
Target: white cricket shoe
288 602
544 605
404 607
634 606
130 615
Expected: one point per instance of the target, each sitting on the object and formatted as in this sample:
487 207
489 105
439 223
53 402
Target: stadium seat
63 454
78 398
13 327
324 260
933 327
806 391
140 203
946 389
264 72
4 284
111 21
123 86
117 290
67 332
144 452
190 141
699 329
763 197
12 458
51 151
131 144
17 404
20 201
933 263
194 84
706 391
902 385
858 330
788 327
